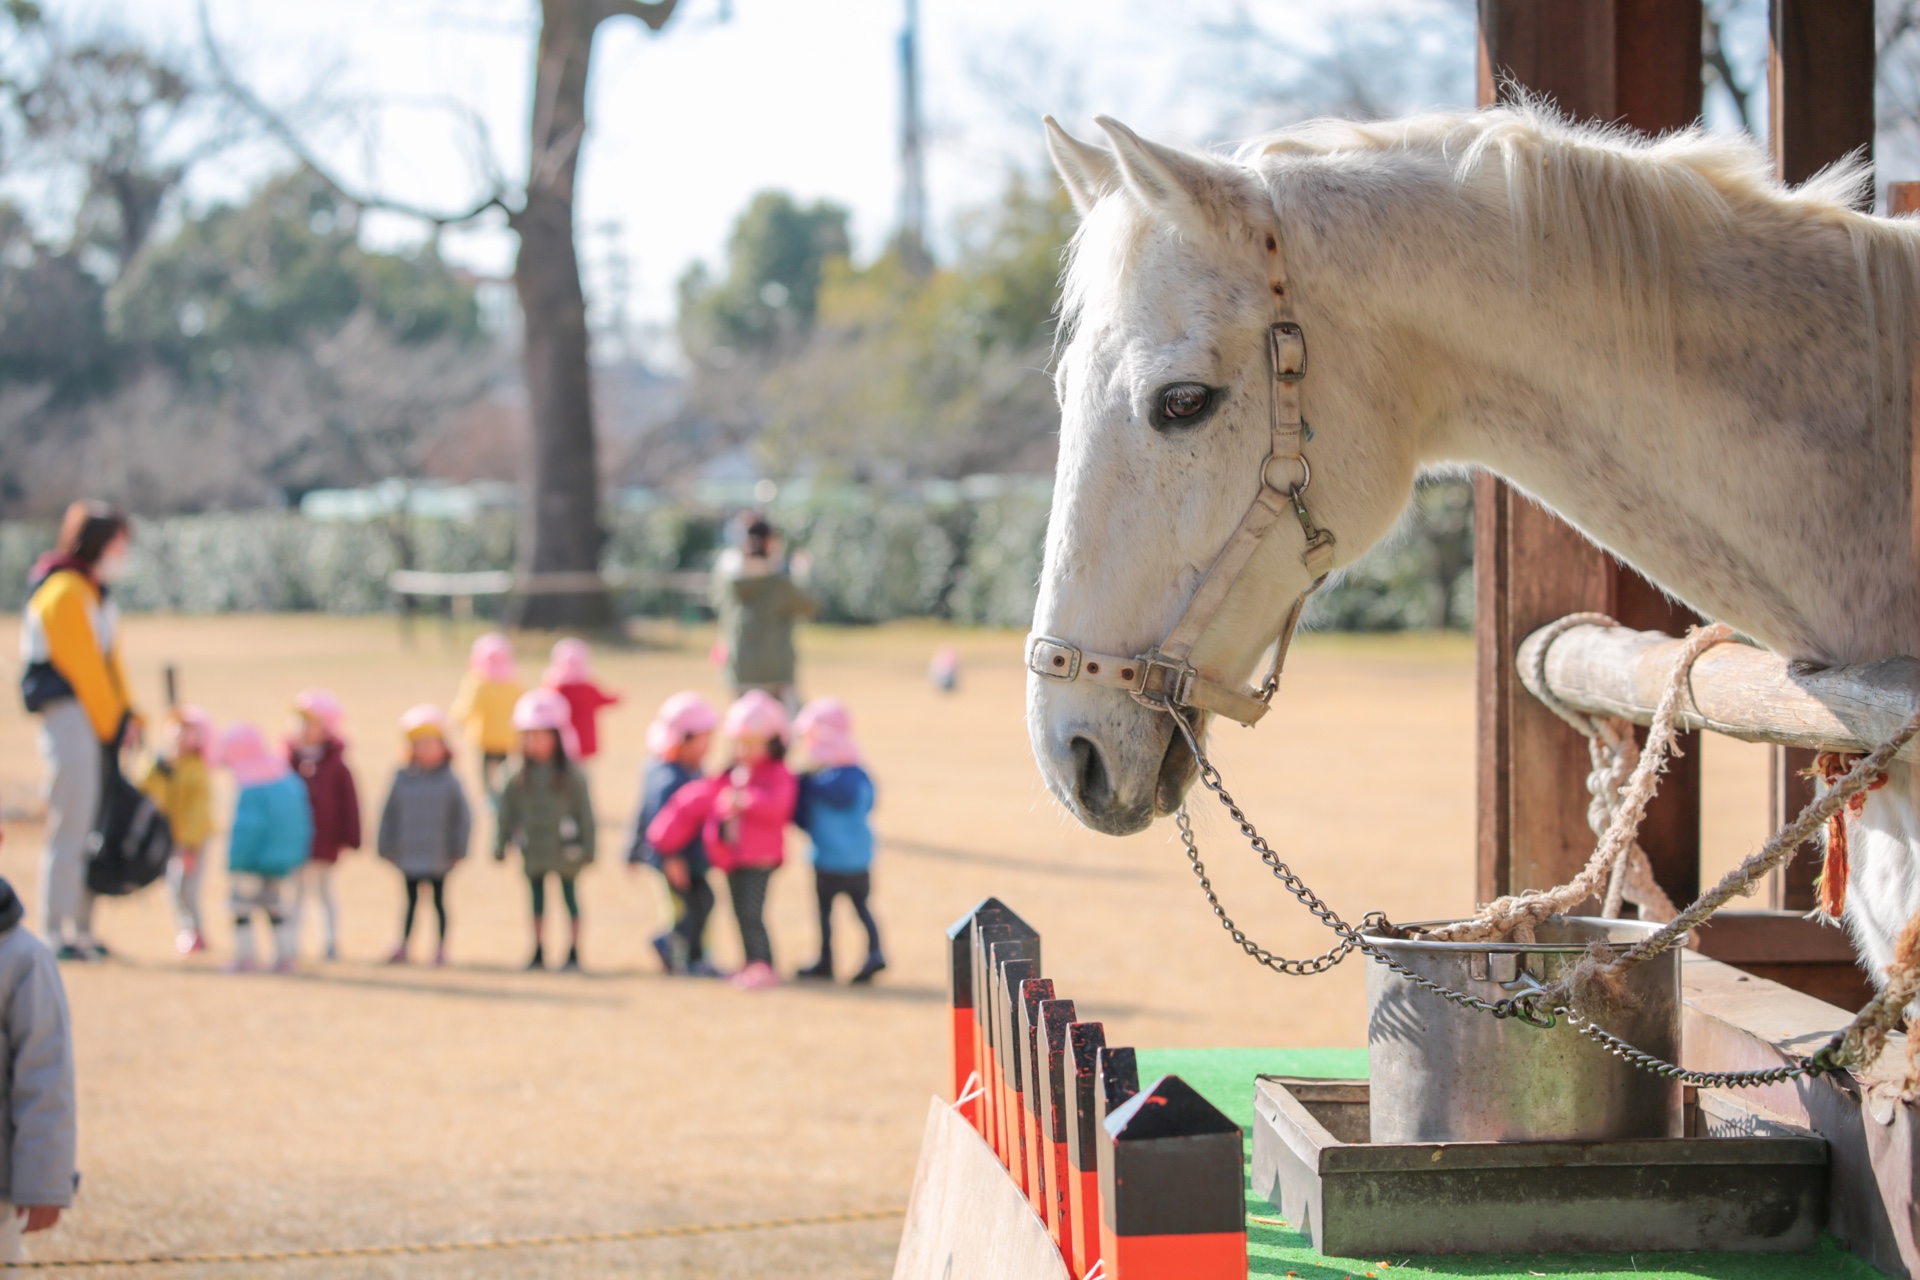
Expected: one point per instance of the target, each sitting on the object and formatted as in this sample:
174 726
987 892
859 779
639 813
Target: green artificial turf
1225 1078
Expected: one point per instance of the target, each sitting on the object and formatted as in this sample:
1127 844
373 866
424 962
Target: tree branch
288 137
652 12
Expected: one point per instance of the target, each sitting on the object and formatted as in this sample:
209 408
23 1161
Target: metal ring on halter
1292 491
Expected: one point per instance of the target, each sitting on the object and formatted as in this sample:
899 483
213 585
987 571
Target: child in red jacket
317 753
570 674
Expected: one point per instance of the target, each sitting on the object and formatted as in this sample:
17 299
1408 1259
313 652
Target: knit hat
491 657
320 706
544 709
825 729
244 751
572 663
424 721
755 714
684 715
198 719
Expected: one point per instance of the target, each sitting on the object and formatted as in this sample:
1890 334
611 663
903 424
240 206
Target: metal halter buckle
1163 685
1285 339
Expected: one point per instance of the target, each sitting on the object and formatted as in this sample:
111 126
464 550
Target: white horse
1703 371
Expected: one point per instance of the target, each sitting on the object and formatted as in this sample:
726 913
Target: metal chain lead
1521 1007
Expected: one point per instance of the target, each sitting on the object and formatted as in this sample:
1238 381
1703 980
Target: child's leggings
266 895
748 888
183 889
439 886
828 885
315 880
567 894
695 903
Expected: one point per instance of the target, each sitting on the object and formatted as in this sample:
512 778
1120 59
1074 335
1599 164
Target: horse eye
1184 401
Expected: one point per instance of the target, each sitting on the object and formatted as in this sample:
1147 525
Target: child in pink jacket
743 815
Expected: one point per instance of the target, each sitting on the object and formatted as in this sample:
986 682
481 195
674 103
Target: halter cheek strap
1164 677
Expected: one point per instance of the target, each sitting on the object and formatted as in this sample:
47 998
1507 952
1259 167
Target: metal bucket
1442 1073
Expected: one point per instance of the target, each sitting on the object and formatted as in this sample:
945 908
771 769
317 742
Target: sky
734 97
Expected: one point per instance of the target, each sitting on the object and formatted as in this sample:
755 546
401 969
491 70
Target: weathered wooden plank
1736 689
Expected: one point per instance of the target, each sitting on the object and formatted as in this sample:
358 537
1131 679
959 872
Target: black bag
131 839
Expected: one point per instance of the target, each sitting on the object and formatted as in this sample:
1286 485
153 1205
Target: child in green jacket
547 813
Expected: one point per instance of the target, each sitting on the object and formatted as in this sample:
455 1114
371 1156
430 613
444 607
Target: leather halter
1164 677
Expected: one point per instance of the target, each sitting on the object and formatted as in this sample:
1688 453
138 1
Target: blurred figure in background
178 779
72 679
426 823
271 835
677 745
318 753
546 812
835 801
758 603
570 674
483 707
39 1132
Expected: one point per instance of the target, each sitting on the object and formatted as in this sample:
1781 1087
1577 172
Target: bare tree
561 528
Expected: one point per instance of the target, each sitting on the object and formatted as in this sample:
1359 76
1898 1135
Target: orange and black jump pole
1172 1188
1034 992
1011 975
963 991
1085 1040
1055 1086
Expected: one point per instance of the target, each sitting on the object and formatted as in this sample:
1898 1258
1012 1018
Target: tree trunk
560 526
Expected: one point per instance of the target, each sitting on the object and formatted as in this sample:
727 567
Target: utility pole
913 170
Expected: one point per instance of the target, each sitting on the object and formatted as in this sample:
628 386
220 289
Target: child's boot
539 960
573 960
399 953
243 959
875 963
286 945
821 969
440 956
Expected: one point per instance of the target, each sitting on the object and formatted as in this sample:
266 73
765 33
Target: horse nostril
1092 785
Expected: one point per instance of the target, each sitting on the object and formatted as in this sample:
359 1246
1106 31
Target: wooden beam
1820 80
1636 62
1735 689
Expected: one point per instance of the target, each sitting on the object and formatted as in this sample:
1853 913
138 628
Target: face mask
111 566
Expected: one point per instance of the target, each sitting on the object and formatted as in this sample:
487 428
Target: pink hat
545 709
755 714
684 715
572 663
198 719
826 729
320 705
491 657
244 751
425 720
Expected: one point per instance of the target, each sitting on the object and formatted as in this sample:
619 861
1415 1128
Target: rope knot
1830 767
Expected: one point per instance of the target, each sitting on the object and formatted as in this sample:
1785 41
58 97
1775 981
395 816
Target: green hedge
874 560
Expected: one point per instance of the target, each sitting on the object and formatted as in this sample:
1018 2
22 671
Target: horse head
1166 381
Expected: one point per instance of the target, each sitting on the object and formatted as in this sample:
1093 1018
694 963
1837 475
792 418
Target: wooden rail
1736 689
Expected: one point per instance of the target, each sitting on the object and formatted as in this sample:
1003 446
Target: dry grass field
357 1103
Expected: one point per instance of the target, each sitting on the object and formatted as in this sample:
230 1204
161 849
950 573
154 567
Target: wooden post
1085 1042
1033 993
1053 1090
1006 1027
1636 62
1820 73
1172 1188
963 1046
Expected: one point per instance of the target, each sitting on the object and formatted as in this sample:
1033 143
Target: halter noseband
1164 678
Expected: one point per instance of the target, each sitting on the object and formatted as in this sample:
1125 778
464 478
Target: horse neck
1744 452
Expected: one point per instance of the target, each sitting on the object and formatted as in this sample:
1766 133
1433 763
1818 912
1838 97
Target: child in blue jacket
271 837
836 800
677 744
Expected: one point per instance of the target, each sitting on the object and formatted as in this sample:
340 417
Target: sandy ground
358 1103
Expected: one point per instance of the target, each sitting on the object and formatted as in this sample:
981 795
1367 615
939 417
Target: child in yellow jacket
483 708
178 780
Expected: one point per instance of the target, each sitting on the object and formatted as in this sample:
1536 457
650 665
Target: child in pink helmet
746 830
483 707
836 799
570 674
547 813
318 753
270 838
677 745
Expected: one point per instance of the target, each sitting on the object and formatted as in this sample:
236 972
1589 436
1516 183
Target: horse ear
1087 171
1159 175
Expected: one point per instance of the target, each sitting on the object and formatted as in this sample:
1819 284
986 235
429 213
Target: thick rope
1515 916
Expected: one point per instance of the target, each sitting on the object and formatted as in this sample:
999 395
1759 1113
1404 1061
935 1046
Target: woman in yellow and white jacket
73 681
